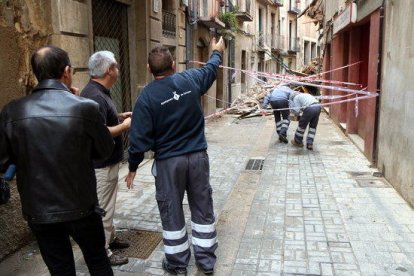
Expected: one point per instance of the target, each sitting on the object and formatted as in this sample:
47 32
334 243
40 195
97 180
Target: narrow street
318 212
344 208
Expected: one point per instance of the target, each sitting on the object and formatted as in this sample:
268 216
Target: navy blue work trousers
281 116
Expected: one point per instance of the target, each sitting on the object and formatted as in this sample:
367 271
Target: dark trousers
281 117
309 117
56 249
174 176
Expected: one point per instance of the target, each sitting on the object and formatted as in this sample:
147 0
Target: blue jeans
56 249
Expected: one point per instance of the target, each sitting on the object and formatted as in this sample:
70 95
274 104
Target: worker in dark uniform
279 99
311 110
168 119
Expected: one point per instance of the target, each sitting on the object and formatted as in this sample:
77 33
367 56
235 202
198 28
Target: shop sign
348 16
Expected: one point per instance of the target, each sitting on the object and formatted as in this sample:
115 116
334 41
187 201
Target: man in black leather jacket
53 137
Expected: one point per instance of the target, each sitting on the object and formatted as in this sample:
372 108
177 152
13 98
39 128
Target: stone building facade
308 32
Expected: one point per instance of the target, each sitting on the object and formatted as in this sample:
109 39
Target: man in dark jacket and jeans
168 119
52 136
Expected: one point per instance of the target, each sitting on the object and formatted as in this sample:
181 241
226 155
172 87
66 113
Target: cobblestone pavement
318 212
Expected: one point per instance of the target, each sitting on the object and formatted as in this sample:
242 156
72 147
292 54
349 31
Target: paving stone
237 272
340 272
324 254
269 265
314 268
294 267
270 255
407 247
261 273
154 271
245 267
326 268
402 258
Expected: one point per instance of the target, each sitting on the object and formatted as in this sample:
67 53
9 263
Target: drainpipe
188 39
191 22
379 80
229 61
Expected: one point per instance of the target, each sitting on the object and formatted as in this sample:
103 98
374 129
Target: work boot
296 144
205 271
117 259
283 138
175 271
118 243
309 146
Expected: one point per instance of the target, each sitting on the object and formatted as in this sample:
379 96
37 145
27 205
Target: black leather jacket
53 136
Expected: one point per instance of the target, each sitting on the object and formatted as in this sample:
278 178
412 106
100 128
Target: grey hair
100 62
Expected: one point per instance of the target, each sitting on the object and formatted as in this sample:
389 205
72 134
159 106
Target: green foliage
230 19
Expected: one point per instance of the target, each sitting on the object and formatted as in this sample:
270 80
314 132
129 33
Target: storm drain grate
254 165
141 243
372 183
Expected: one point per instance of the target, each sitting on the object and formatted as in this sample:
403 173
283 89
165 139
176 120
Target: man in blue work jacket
279 100
168 119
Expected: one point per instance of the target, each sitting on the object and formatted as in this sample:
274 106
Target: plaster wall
396 134
24 27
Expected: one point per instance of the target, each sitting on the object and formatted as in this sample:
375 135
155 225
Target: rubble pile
247 104
315 11
312 68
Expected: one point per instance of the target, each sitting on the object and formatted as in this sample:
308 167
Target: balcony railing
244 5
168 24
279 2
263 40
266 2
294 44
244 12
294 6
274 42
278 43
244 16
209 14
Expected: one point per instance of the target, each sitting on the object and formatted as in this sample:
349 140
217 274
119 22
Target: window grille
110 32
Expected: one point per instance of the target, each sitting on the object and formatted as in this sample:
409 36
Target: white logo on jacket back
175 97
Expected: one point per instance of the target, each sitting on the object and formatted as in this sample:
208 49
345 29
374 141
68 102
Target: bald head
49 62
160 61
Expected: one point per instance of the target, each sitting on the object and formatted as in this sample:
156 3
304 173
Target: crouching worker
311 110
279 99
